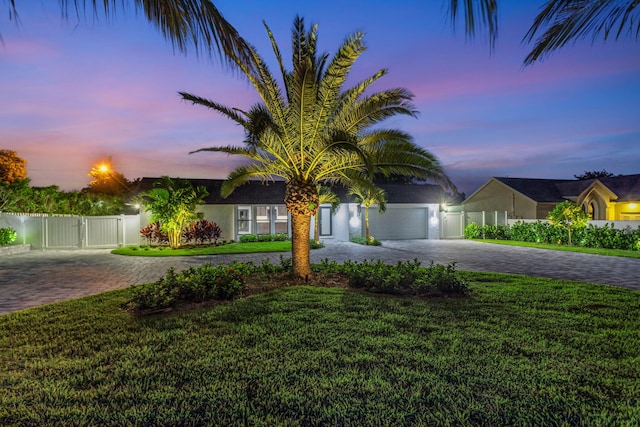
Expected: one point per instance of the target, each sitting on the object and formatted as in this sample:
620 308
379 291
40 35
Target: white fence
454 223
73 232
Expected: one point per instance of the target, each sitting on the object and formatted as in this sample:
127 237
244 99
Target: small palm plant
312 131
368 196
173 204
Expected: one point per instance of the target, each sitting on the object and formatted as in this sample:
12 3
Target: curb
14 249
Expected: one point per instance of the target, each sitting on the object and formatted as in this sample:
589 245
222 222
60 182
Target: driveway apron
42 277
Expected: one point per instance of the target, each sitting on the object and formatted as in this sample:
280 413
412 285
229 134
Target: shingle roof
257 193
540 190
254 192
626 187
413 193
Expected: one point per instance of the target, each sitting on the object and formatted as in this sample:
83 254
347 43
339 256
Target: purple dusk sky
77 91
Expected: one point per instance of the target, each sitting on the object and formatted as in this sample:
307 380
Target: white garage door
399 223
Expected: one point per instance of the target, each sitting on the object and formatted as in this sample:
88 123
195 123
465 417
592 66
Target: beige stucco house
615 198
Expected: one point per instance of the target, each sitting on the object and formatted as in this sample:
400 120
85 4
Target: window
244 220
281 220
269 219
263 219
325 220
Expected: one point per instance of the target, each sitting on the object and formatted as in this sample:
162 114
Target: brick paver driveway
42 277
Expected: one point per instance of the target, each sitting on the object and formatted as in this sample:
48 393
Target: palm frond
477 14
350 96
369 194
332 80
187 24
563 21
232 113
327 196
259 122
377 107
340 153
243 174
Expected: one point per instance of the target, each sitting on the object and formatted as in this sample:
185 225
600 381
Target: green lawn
597 251
231 248
518 351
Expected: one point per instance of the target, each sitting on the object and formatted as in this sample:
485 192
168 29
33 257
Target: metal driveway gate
74 232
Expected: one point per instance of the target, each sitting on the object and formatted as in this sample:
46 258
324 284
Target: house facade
256 208
615 198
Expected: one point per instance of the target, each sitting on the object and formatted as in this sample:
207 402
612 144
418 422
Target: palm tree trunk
300 228
366 223
316 229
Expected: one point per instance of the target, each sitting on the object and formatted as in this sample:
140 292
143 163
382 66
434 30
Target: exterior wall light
434 218
354 221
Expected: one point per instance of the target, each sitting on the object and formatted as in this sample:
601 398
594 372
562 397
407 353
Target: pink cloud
27 51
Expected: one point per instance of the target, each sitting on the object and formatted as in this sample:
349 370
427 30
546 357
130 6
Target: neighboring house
615 198
256 208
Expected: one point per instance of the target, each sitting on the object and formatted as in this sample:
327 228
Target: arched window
593 210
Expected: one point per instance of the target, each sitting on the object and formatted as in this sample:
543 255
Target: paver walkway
43 277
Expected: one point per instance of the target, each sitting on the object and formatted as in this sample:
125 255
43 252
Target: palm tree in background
368 196
311 131
325 197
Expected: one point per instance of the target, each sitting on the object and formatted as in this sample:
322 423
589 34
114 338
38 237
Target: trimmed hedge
279 237
606 237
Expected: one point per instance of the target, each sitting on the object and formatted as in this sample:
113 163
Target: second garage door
399 223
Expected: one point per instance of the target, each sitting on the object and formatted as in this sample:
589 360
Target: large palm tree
312 131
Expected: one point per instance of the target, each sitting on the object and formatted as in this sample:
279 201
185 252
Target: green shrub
473 231
605 237
266 267
328 266
503 232
195 284
161 294
499 232
608 237
523 232
278 237
404 278
7 236
445 279
372 241
315 245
